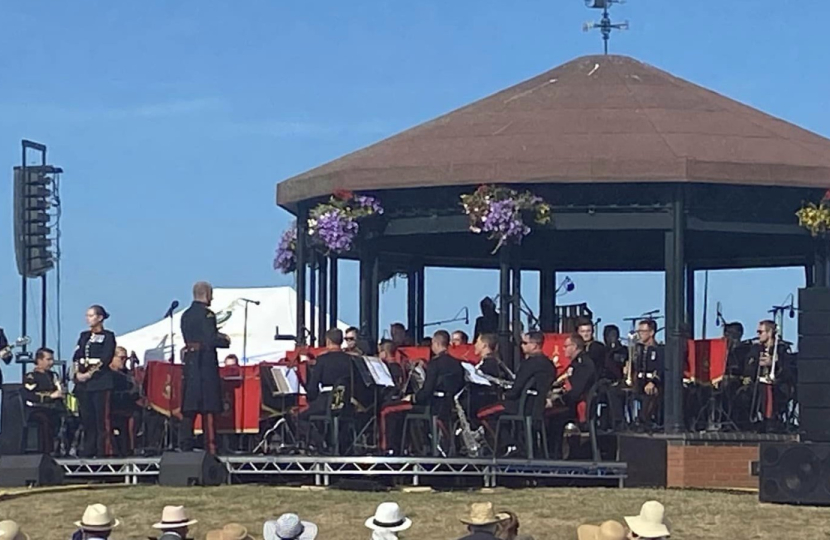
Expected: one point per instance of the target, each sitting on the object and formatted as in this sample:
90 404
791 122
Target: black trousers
187 441
48 421
94 410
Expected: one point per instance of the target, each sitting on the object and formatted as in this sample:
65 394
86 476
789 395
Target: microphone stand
245 330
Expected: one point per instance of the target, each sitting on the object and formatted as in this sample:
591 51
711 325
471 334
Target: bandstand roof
603 119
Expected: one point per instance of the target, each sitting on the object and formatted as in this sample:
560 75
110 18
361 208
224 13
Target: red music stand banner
554 348
465 353
163 386
414 353
241 397
705 361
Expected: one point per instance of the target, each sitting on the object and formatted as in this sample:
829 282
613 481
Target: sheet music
287 381
379 371
473 376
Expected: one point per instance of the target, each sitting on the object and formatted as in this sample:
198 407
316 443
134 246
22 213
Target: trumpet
632 353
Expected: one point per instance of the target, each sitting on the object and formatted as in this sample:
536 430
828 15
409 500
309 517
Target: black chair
331 417
438 422
592 405
530 415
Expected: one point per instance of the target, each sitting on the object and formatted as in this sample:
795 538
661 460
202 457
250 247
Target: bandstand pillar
674 308
415 301
300 274
516 306
323 291
820 264
547 298
369 294
505 350
312 299
690 300
333 292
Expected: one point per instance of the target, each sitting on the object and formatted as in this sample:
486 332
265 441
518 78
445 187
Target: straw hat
97 518
483 514
389 517
609 530
651 522
9 530
231 531
289 527
174 517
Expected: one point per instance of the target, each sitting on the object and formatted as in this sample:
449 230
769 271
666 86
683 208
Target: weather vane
605 25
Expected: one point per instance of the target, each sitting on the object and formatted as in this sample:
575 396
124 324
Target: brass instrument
504 383
630 366
472 440
416 376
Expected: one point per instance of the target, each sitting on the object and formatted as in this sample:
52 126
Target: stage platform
325 471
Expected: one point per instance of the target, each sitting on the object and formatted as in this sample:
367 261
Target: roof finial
605 25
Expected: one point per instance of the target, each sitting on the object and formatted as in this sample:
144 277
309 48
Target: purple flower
371 204
335 230
286 258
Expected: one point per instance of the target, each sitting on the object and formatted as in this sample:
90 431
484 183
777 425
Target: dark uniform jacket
37 387
598 354
125 392
615 357
784 367
537 369
444 374
648 364
581 376
201 385
102 347
484 396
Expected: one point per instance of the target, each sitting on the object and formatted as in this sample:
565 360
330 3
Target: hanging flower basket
285 260
504 214
333 226
816 217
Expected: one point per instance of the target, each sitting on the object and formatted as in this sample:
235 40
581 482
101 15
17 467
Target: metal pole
312 300
675 341
547 298
516 309
245 337
333 292
412 302
504 306
705 302
324 290
365 294
420 309
690 300
375 305
302 247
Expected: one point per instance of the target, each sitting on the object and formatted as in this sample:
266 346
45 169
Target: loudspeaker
12 420
184 469
814 363
795 473
646 459
30 470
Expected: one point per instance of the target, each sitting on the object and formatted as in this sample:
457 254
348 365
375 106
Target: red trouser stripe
385 411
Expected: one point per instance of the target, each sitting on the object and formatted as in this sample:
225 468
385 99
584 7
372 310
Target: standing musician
645 370
769 391
93 382
570 389
536 374
201 384
43 394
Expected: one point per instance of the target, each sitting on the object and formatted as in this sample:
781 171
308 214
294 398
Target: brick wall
706 466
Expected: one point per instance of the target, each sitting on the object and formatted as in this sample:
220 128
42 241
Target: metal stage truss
323 469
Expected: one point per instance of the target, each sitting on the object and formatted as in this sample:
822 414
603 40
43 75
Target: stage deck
323 470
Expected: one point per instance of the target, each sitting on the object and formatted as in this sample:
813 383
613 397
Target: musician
400 336
536 374
123 403
615 354
201 385
459 337
488 322
738 349
334 368
769 394
350 340
594 349
647 373
93 382
43 395
486 348
610 381
575 384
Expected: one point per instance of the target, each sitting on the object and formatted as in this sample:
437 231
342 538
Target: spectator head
9 530
334 338
350 338
509 528
96 315
460 338
483 518
289 527
97 522
585 328
486 344
174 519
574 344
609 530
532 343
119 359
650 523
231 531
440 341
203 292
389 517
231 360
44 358
387 349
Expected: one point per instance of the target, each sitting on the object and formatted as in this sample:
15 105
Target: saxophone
472 440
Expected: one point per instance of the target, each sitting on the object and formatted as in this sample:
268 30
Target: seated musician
536 374
332 370
486 348
124 407
647 367
570 389
594 349
444 378
459 337
399 335
610 376
350 342
43 395
768 392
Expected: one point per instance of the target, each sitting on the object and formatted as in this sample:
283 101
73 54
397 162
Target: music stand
373 373
287 385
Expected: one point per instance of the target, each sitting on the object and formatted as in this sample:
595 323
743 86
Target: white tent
276 309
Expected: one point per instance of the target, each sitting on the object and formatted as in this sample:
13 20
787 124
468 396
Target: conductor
201 385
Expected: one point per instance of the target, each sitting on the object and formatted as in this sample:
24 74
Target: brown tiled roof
594 119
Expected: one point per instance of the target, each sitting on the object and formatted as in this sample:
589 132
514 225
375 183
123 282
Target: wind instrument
504 383
472 440
633 340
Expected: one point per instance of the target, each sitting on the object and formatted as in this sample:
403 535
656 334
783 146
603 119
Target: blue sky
175 120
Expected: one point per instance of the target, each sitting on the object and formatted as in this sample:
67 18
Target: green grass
547 514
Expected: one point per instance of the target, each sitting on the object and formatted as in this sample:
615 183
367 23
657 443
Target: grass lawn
547 514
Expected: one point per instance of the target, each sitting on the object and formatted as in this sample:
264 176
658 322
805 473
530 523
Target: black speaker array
795 473
814 363
184 469
29 470
12 420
